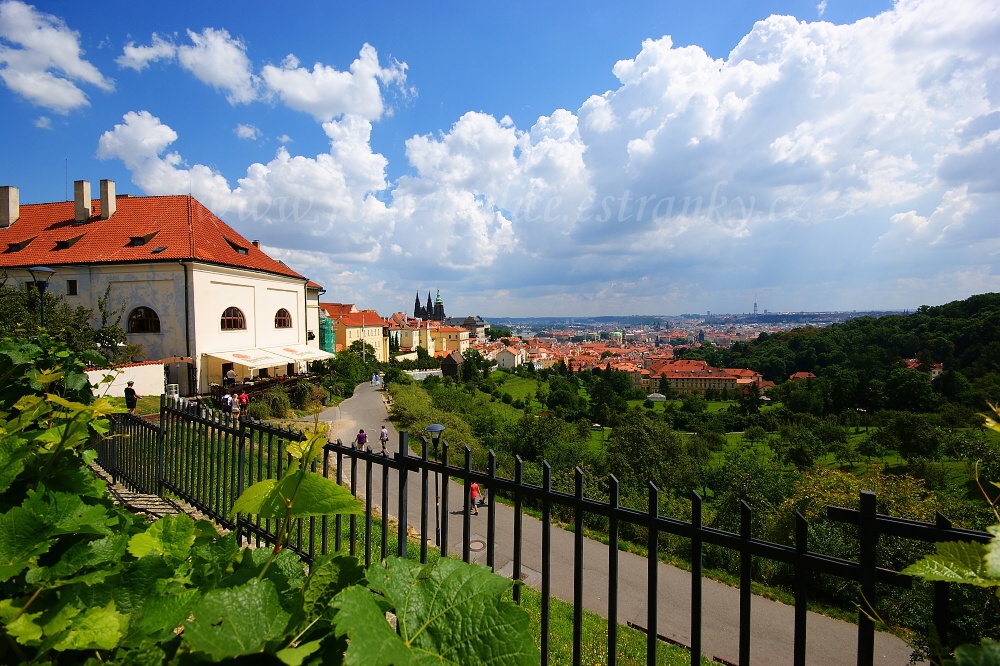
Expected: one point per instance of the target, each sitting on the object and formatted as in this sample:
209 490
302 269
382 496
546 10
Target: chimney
81 198
10 206
108 199
256 244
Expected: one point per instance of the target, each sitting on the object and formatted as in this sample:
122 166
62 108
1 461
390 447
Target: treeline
861 364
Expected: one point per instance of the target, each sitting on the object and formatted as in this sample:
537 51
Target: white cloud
138 57
292 201
816 163
247 132
220 61
327 93
43 122
41 59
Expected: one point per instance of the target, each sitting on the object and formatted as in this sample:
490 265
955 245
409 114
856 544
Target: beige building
191 286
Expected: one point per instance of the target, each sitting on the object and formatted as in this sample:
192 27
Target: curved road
830 642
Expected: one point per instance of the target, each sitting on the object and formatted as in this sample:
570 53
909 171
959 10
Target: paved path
830 642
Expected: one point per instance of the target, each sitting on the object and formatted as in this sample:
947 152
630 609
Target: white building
195 292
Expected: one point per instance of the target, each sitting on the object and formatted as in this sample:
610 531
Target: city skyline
562 160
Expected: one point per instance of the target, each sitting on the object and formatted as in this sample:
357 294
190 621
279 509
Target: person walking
131 397
383 438
361 440
474 491
235 410
244 400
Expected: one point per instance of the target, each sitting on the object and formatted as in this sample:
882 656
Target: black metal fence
207 459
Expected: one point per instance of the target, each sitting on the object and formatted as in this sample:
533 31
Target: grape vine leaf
315 495
954 562
236 621
448 612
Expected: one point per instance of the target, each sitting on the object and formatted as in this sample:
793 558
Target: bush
278 404
258 409
301 395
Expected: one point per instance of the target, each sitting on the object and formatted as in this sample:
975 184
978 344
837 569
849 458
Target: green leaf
13 451
93 629
23 537
236 621
372 639
992 556
170 536
316 496
987 653
327 577
67 513
296 655
448 612
25 628
954 562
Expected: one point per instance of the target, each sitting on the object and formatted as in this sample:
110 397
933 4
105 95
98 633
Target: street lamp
40 276
435 429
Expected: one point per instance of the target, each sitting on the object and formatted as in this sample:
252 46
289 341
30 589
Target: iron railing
207 459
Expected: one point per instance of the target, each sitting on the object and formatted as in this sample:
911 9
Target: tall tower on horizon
755 305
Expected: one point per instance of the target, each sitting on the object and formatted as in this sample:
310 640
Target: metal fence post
868 540
404 452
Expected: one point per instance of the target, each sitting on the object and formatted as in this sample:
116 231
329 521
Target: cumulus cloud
41 59
298 202
220 61
247 132
817 163
327 93
138 57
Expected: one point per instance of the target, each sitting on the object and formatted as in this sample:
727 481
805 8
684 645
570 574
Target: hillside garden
870 424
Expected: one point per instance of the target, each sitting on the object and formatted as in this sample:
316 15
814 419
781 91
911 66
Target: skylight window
159 249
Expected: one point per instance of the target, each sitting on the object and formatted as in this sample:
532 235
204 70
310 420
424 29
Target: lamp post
435 429
40 276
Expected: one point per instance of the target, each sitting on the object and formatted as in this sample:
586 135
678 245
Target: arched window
233 320
282 319
143 320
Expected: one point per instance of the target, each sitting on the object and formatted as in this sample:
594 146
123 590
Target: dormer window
67 243
239 248
136 241
20 245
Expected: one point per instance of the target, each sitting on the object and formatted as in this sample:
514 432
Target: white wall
148 380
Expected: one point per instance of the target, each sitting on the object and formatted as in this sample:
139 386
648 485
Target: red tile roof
179 224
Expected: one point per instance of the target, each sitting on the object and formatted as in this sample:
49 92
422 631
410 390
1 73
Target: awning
299 352
251 358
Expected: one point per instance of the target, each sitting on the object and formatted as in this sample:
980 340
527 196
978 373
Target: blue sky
541 158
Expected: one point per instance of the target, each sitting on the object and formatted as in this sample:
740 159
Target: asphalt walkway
830 642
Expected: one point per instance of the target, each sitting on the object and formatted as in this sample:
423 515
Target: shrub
278 404
258 409
301 395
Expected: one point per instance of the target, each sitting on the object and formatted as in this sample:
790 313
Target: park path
830 642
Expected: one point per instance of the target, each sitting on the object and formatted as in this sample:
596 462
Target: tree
19 318
642 449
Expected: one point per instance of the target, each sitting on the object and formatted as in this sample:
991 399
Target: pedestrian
244 399
482 496
373 379
383 437
230 377
227 402
235 409
474 490
361 440
131 397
